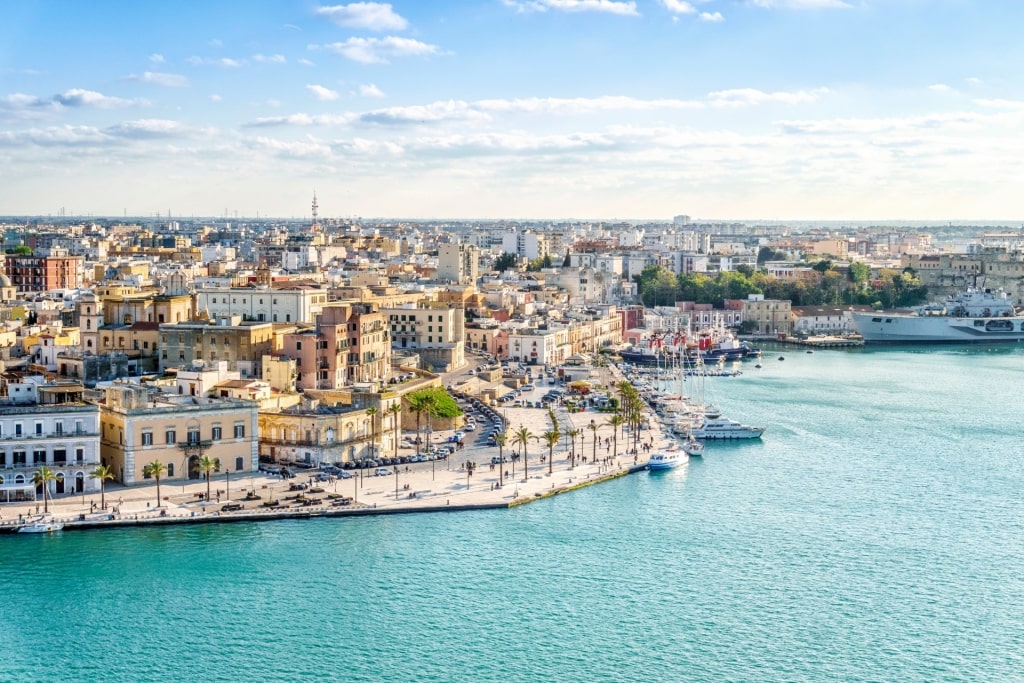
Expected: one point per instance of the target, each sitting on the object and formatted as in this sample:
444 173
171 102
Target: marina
858 522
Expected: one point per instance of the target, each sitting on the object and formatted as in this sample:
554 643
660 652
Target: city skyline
764 109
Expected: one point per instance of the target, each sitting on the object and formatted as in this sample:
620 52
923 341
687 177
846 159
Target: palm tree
419 403
551 438
395 409
372 414
500 439
207 466
593 427
103 473
573 433
522 437
157 469
614 421
42 477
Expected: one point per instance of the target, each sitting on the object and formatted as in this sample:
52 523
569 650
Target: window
38 457
79 454
239 464
147 438
298 346
239 431
216 434
170 469
193 436
58 427
170 437
18 458
39 428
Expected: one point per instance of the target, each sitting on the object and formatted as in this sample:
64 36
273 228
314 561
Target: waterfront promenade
419 487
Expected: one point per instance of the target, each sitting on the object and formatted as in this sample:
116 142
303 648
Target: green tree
551 438
615 421
207 466
660 290
858 272
567 261
22 250
573 433
157 469
822 266
765 254
42 477
104 474
505 262
522 438
593 427
500 439
419 402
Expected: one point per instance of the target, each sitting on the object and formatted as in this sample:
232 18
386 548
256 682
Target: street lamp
227 484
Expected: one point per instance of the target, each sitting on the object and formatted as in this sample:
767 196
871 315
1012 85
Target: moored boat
970 316
665 460
717 427
40 527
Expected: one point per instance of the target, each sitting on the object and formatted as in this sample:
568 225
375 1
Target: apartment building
140 425
350 343
47 425
241 343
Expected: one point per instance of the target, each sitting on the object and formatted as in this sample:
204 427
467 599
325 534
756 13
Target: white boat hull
40 528
896 328
665 461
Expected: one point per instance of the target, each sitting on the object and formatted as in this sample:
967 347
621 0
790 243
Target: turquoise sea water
875 534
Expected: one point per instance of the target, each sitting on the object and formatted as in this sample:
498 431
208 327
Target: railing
49 435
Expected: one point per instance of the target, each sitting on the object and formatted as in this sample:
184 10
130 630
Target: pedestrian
634 459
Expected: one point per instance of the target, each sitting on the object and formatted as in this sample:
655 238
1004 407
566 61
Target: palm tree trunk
158 491
103 490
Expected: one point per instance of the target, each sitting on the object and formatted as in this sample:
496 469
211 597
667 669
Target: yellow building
139 426
315 432
241 344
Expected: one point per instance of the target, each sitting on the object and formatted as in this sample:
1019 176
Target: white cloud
291 27
711 17
1001 104
679 6
162 79
215 43
370 90
148 128
270 59
863 126
607 6
450 110
581 105
305 62
941 87
77 97
225 62
800 4
374 16
323 94
303 120
378 50
156 58
747 97
215 98
973 80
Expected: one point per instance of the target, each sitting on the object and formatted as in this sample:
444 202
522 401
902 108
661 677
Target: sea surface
876 533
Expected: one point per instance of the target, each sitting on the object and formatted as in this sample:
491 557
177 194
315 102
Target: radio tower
316 222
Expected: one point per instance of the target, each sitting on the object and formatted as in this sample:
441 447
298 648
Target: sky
560 109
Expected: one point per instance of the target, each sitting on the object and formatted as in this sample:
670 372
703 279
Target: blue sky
720 109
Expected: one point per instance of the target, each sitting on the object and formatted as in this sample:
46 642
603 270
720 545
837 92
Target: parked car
345 474
382 472
231 507
495 460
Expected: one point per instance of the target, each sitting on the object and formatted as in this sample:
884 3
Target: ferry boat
665 460
40 527
716 427
971 315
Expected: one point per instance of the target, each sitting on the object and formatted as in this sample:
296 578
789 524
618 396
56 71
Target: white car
471 427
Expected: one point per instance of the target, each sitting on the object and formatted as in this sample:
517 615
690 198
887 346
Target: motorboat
40 527
665 460
722 428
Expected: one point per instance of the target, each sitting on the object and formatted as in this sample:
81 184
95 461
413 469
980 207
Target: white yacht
717 427
693 448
